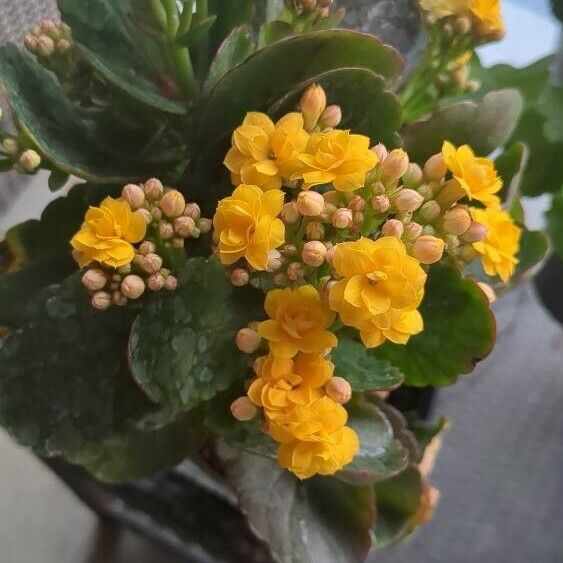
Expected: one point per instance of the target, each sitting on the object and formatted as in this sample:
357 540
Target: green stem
185 71
159 13
202 13
186 18
172 17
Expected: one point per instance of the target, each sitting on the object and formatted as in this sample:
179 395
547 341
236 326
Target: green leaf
230 15
382 452
66 135
555 223
57 180
235 49
459 331
425 433
321 519
533 249
361 368
397 500
485 125
197 32
274 31
63 378
244 88
182 346
367 107
511 165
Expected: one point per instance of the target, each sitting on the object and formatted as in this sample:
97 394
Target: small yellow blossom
108 234
314 439
336 157
377 276
396 325
246 225
477 176
299 322
501 245
487 14
264 154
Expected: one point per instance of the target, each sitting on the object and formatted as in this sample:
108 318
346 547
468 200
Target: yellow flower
314 439
298 322
338 158
246 225
477 176
396 325
108 234
264 154
501 245
377 276
487 14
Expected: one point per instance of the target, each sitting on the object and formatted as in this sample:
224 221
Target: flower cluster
127 244
48 39
347 231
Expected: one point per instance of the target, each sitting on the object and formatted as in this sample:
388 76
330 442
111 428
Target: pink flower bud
315 231
295 271
275 260
381 151
10 146
358 218
393 228
407 201
240 277
94 279
63 46
290 213
117 298
45 46
435 168
457 220
380 203
331 117
314 253
170 283
339 390
132 287
328 212
475 233
357 203
184 226
243 409
165 230
428 249
413 177
412 231
395 165
101 300
312 105
153 188
289 250
157 213
147 247
29 160
248 340
155 282
133 195
343 218
330 254
30 43
192 210
310 203
151 263
378 188
145 214
172 204
429 212
204 225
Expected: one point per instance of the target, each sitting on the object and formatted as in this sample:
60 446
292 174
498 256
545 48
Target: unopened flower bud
339 390
429 212
475 233
395 165
381 151
155 282
45 46
331 117
153 188
10 146
63 46
393 228
184 226
94 279
413 177
310 203
50 28
407 201
380 203
357 203
428 249
192 210
312 105
132 287
240 277
145 214
275 260
457 220
117 298
452 241
170 283
147 247
101 300
315 231
243 409
488 291
426 191
204 225
328 212
29 160
343 218
378 188
314 253
358 217
290 213
30 43
295 271
177 242
412 231
172 204
435 168
248 340
151 263
330 254
165 230
133 195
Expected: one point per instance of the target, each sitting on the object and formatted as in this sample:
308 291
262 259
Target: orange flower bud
331 117
435 168
101 300
393 228
248 340
428 249
173 203
310 203
457 220
343 218
153 188
312 105
314 253
395 165
240 277
381 151
94 279
184 226
192 210
133 195
339 390
132 287
407 201
243 409
155 282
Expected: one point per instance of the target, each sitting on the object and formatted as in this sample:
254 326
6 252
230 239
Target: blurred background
500 470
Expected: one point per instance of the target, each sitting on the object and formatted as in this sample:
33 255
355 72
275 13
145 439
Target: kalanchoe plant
347 239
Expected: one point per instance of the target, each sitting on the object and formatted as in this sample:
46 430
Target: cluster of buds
49 39
170 220
317 116
455 79
24 160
